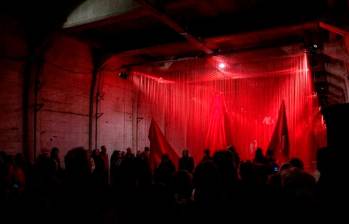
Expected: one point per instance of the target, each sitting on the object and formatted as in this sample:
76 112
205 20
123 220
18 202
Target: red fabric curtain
233 99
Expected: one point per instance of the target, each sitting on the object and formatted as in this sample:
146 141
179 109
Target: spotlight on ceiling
221 65
124 73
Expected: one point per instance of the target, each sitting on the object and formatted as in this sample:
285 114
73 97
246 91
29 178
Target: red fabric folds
218 134
280 142
159 146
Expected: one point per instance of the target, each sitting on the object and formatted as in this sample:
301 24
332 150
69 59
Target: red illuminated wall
65 81
64 94
116 125
12 58
10 106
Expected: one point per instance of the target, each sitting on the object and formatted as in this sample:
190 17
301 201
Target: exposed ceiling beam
338 77
334 29
164 18
333 99
337 70
336 50
266 33
230 43
338 84
241 39
336 90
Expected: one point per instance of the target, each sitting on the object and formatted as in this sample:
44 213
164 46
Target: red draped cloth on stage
200 103
280 143
159 146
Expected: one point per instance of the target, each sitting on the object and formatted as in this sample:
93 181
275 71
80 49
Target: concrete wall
10 106
63 100
12 57
125 118
64 95
116 106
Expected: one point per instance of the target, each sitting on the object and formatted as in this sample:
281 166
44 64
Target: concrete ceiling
139 31
121 25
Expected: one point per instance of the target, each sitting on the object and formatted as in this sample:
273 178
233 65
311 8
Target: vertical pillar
31 87
92 101
98 60
135 120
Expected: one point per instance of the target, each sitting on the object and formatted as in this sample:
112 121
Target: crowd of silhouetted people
127 188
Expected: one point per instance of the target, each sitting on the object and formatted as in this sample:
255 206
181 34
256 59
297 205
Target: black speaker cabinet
337 122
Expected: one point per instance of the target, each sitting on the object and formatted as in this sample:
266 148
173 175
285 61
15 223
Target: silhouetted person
186 162
295 162
146 153
164 172
183 186
270 161
228 178
332 187
235 155
21 172
259 157
143 172
298 184
207 155
123 153
115 163
252 192
46 186
105 157
79 191
182 189
99 173
330 178
162 198
8 174
95 153
3 173
298 193
274 180
55 158
269 155
138 153
128 172
45 168
207 189
77 166
248 173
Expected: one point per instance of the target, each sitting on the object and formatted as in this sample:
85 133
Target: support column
98 60
135 120
31 86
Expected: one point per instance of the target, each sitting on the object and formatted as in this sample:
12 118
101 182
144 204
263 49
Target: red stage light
221 65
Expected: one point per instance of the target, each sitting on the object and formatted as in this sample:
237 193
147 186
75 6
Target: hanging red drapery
280 142
159 146
201 104
216 134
